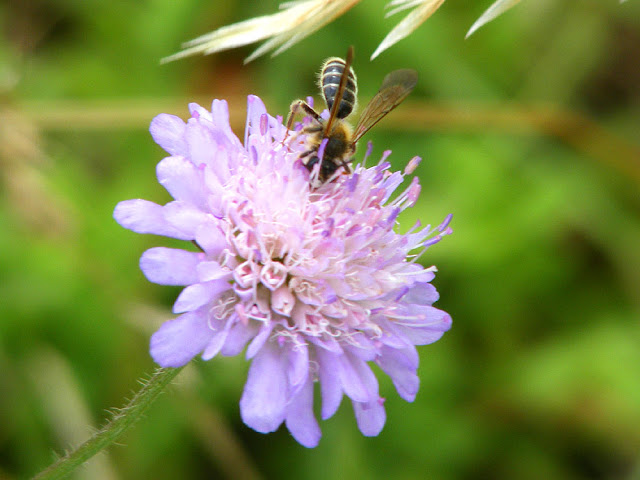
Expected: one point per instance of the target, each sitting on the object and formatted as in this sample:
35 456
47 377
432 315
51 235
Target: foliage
528 130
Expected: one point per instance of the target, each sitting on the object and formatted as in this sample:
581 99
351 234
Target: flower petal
185 217
208 271
259 340
220 114
429 330
216 343
264 399
300 419
401 366
370 416
198 294
182 180
357 379
168 132
177 341
422 294
210 238
239 335
363 347
255 110
200 135
330 385
298 369
170 266
143 216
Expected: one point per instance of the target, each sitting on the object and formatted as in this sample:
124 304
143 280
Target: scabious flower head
313 282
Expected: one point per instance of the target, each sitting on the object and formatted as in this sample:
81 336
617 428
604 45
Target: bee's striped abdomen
330 75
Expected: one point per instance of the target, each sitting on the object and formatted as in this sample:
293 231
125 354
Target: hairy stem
121 421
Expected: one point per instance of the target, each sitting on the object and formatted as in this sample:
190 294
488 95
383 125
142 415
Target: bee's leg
345 163
294 109
346 166
301 104
307 153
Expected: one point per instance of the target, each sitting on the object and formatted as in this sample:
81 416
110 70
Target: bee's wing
395 88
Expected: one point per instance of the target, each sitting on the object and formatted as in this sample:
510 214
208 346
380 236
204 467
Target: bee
339 89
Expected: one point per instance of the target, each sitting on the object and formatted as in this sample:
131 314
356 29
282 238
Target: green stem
121 421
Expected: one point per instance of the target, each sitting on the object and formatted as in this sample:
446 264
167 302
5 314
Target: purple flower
314 282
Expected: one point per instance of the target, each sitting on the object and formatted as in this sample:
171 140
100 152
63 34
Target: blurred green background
529 133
